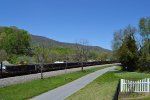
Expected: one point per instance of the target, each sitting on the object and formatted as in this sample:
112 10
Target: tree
144 27
14 40
59 54
103 56
128 51
3 56
41 57
133 56
128 54
117 42
93 55
81 52
53 56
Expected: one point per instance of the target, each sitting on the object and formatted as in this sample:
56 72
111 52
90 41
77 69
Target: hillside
40 40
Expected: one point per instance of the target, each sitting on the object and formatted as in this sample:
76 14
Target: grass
33 88
104 87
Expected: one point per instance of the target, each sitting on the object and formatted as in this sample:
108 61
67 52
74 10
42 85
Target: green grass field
36 87
104 87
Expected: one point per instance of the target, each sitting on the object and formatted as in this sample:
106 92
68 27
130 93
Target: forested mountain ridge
40 40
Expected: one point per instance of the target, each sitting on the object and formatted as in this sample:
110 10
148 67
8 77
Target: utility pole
41 66
1 69
65 69
42 61
82 63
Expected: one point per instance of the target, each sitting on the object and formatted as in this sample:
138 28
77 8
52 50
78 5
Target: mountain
40 40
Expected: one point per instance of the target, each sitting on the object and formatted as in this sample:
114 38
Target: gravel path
64 91
25 78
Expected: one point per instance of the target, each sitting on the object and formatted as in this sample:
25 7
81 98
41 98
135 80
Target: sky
74 20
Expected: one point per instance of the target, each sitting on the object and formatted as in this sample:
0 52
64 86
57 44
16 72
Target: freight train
17 70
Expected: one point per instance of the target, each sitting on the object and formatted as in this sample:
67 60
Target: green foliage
50 55
3 55
41 54
100 56
25 60
14 40
128 55
103 56
131 55
117 40
81 53
16 43
93 55
145 47
12 58
128 51
144 61
63 53
144 26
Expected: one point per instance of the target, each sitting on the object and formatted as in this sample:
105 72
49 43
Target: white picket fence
135 86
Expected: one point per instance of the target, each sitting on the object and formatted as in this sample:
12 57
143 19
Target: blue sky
72 20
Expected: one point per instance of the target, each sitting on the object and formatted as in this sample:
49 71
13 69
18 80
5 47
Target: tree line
17 48
131 46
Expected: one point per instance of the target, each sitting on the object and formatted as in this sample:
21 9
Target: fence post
148 84
121 85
